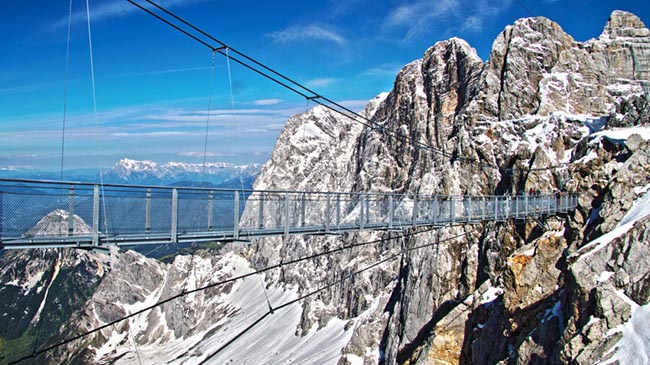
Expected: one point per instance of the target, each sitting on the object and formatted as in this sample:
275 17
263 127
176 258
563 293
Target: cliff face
515 293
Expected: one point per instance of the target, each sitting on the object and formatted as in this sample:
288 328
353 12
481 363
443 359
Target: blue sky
153 83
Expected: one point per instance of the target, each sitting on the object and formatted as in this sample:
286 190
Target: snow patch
634 346
640 209
491 294
620 135
604 276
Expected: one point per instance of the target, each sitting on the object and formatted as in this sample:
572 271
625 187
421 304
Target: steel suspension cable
207 121
234 117
96 120
328 284
65 105
306 92
65 87
302 90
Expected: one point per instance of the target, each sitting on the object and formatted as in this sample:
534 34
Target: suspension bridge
51 214
48 214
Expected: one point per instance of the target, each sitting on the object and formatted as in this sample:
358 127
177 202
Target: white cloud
473 23
387 69
200 154
307 32
264 102
424 16
114 9
321 82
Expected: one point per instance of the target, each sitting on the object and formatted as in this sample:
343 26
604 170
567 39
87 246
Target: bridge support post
496 208
235 225
260 217
361 211
435 210
147 212
210 209
328 213
483 208
452 209
338 210
517 199
286 215
367 209
525 205
468 208
391 210
71 210
95 215
414 215
302 209
174 223
1 219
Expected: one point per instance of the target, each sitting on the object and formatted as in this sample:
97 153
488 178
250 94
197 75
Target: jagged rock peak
624 24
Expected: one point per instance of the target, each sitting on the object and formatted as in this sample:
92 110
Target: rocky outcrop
523 120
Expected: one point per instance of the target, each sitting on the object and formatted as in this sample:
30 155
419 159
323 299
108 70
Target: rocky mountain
128 171
149 172
544 113
547 113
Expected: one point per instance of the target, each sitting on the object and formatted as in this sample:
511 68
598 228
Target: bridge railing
89 214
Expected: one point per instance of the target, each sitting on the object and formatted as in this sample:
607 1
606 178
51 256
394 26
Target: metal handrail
154 214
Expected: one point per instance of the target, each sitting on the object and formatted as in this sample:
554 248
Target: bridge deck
45 214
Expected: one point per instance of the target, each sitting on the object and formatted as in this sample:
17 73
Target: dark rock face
41 291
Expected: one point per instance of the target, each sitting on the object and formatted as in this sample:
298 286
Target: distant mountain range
144 172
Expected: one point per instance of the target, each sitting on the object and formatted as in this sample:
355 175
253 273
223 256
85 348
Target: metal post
210 209
1 219
526 205
260 218
496 208
174 230
328 215
414 215
468 207
235 225
361 217
483 208
302 210
147 212
286 214
338 210
71 210
391 210
95 215
517 206
452 209
368 210
435 209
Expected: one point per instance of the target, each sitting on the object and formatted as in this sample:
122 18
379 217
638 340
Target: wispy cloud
321 82
265 102
309 32
200 154
424 16
113 9
386 69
